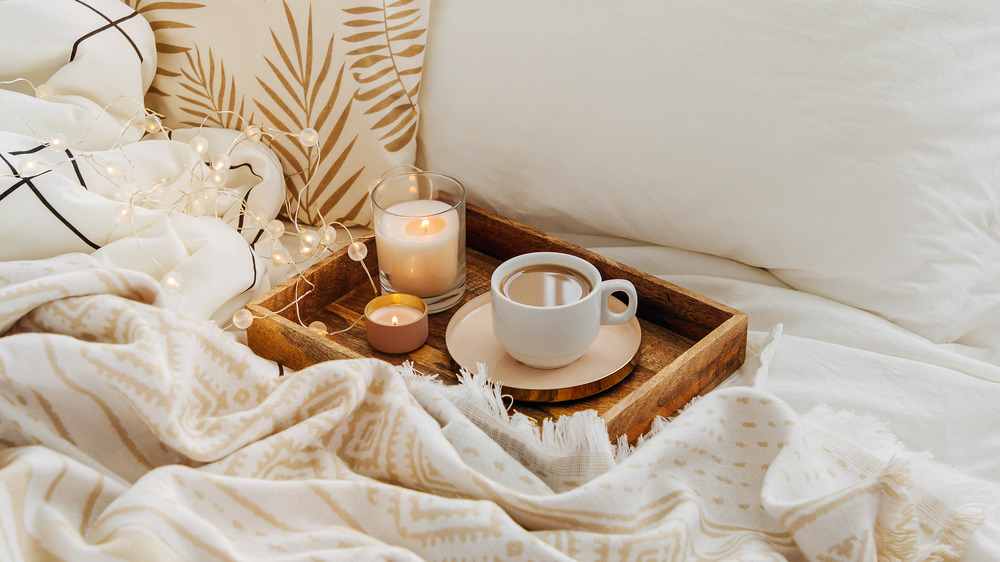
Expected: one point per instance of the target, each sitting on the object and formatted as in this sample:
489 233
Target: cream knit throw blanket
127 431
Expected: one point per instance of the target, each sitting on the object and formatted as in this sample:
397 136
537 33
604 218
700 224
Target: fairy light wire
207 177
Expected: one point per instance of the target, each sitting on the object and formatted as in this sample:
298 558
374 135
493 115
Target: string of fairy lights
204 193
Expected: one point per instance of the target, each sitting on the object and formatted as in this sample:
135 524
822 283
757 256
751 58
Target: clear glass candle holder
419 220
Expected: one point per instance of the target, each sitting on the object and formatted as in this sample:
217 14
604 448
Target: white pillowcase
853 148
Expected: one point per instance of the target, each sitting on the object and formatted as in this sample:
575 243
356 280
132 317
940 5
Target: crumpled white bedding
937 398
81 172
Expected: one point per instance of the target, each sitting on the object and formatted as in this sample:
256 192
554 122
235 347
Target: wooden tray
690 343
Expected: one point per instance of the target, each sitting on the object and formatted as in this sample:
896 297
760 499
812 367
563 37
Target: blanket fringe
914 489
903 505
583 432
866 431
478 397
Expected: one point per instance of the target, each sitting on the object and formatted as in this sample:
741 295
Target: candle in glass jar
418 247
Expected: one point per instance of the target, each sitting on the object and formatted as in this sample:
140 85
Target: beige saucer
609 359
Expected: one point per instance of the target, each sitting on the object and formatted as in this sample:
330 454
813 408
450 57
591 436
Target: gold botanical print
214 100
303 94
389 43
153 12
350 70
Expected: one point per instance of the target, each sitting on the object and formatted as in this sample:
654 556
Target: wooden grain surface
690 343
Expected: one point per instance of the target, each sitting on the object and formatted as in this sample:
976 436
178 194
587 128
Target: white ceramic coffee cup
548 337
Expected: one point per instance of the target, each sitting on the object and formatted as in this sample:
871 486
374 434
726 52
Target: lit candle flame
395 320
425 225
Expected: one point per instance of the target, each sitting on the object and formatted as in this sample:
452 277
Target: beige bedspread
127 431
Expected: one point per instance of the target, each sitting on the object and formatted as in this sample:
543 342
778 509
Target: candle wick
425 224
395 320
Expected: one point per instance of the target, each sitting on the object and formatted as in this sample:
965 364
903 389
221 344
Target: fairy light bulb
357 251
309 137
253 133
318 328
152 125
280 257
173 281
113 169
327 235
217 178
220 161
242 319
28 166
59 141
308 242
275 228
208 194
199 144
45 92
123 212
309 239
194 205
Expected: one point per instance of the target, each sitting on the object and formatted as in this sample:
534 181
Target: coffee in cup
545 284
549 306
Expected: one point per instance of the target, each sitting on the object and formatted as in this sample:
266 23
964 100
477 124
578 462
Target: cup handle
613 286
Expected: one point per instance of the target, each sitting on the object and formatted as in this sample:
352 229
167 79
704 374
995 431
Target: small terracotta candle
396 323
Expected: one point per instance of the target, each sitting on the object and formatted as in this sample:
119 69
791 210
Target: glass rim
457 204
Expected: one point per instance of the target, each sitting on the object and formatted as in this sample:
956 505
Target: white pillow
853 148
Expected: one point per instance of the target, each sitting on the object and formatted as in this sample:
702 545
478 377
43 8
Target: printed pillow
852 148
350 70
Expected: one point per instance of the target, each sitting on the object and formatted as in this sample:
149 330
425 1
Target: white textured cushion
853 148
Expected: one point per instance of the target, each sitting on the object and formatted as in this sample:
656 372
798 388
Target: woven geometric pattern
127 429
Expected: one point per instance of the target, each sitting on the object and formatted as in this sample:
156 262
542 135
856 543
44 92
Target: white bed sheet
940 399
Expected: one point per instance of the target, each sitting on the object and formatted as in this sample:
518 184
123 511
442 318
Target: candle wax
402 315
418 247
